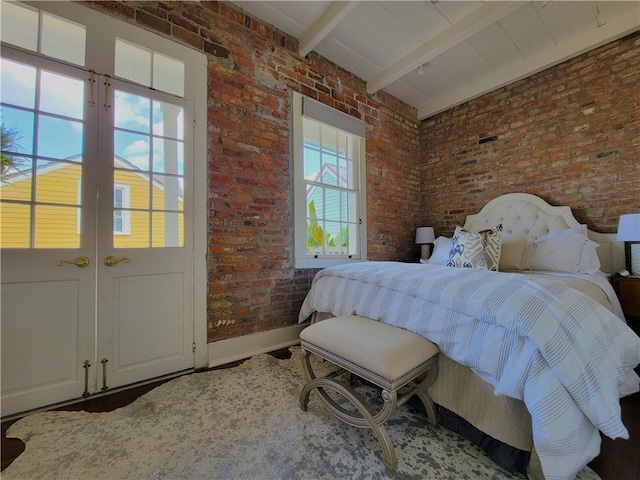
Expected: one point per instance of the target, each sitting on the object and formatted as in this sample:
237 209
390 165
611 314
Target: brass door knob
78 262
110 261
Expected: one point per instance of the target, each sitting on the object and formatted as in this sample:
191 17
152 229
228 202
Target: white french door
96 223
144 271
48 254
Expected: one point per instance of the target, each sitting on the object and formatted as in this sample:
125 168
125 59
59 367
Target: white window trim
126 203
301 258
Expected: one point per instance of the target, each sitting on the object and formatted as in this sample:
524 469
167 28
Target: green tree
315 234
9 144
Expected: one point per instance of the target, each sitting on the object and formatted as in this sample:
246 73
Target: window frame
126 204
335 119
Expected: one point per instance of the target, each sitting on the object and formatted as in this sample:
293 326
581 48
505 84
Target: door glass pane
133 148
168 156
135 227
15 224
18 82
147 136
57 182
132 112
134 188
168 120
63 39
50 132
32 143
56 227
168 74
168 229
61 95
17 126
133 62
167 193
15 183
19 26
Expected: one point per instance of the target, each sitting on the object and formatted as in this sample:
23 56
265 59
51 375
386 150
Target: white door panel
56 337
40 343
149 336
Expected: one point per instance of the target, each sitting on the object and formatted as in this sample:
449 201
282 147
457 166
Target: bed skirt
499 425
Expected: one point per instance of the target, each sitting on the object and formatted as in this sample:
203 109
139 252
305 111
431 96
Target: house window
329 195
121 216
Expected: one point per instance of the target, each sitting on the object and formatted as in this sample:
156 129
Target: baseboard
239 348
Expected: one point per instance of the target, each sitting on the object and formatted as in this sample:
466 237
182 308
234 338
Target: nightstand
628 291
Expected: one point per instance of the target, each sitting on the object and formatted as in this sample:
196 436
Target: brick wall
570 134
252 285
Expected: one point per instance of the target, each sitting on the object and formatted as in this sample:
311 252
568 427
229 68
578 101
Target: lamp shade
628 228
425 235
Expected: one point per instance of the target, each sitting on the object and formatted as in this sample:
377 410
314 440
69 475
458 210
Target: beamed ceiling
434 54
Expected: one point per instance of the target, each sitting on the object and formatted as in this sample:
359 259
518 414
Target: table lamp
425 236
629 233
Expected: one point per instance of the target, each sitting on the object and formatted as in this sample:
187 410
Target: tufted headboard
526 214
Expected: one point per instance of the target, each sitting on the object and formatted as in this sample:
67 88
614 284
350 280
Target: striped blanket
566 356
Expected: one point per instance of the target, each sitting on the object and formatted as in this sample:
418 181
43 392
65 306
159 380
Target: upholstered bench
400 362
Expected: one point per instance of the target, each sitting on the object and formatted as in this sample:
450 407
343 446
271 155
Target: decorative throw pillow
476 249
441 249
514 253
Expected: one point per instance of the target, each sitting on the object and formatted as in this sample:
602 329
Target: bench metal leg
367 418
365 421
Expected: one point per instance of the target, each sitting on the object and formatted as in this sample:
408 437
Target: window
43 32
54 86
121 217
329 196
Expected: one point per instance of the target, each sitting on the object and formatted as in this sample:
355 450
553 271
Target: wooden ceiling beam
618 28
458 32
325 24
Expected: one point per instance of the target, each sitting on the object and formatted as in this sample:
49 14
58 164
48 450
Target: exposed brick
188 37
570 134
216 50
151 21
565 134
181 22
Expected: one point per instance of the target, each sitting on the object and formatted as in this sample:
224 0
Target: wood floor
618 460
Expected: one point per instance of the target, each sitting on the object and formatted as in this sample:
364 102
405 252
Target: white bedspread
561 352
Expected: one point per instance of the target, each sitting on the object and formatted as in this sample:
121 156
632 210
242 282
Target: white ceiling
434 54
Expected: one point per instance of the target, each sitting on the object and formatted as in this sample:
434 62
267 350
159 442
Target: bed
534 361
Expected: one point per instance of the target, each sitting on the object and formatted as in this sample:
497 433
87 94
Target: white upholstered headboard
526 214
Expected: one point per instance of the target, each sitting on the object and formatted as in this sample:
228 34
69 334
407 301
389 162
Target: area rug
242 423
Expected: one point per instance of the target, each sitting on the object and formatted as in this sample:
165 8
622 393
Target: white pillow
441 248
565 251
564 233
514 254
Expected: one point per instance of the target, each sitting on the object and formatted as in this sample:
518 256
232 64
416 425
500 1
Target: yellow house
58 214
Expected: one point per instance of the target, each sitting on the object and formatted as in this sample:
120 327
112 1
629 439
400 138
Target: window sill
324 262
